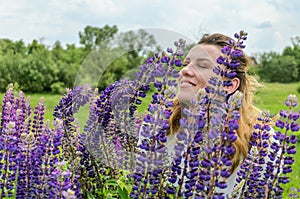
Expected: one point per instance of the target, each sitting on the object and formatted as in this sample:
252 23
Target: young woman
198 69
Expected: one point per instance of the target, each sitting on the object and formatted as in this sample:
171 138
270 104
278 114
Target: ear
235 84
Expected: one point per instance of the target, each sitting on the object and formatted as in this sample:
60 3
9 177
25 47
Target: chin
185 98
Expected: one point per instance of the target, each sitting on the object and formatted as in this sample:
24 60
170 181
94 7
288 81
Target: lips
187 83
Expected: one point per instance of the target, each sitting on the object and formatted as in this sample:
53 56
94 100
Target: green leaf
123 193
111 182
90 196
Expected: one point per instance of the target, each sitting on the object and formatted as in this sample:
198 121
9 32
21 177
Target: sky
270 23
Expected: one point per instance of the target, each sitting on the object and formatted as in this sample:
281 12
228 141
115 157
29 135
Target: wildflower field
270 97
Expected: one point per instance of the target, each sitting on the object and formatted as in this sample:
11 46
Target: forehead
205 51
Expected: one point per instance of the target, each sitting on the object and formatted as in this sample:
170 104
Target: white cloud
105 7
62 20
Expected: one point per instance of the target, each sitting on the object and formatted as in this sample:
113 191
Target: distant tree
91 37
10 64
12 58
294 51
102 59
38 71
57 51
137 43
285 67
68 61
133 47
7 45
137 46
35 46
278 68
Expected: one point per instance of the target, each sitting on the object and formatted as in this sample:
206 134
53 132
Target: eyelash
201 66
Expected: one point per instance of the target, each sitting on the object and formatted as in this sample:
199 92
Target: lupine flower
9 159
73 142
60 183
294 193
270 161
251 170
29 149
62 162
285 148
152 158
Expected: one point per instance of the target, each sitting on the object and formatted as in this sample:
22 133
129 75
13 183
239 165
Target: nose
188 70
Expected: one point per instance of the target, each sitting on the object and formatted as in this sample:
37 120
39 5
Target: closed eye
202 66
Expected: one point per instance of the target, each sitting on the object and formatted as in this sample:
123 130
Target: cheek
202 79
206 76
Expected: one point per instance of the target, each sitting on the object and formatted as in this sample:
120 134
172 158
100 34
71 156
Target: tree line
281 67
35 67
104 56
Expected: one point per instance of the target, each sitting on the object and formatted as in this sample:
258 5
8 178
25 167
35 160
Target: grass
50 101
270 97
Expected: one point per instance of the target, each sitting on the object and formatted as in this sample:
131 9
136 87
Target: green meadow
269 97
272 95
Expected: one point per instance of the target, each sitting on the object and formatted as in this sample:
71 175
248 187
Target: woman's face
198 68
